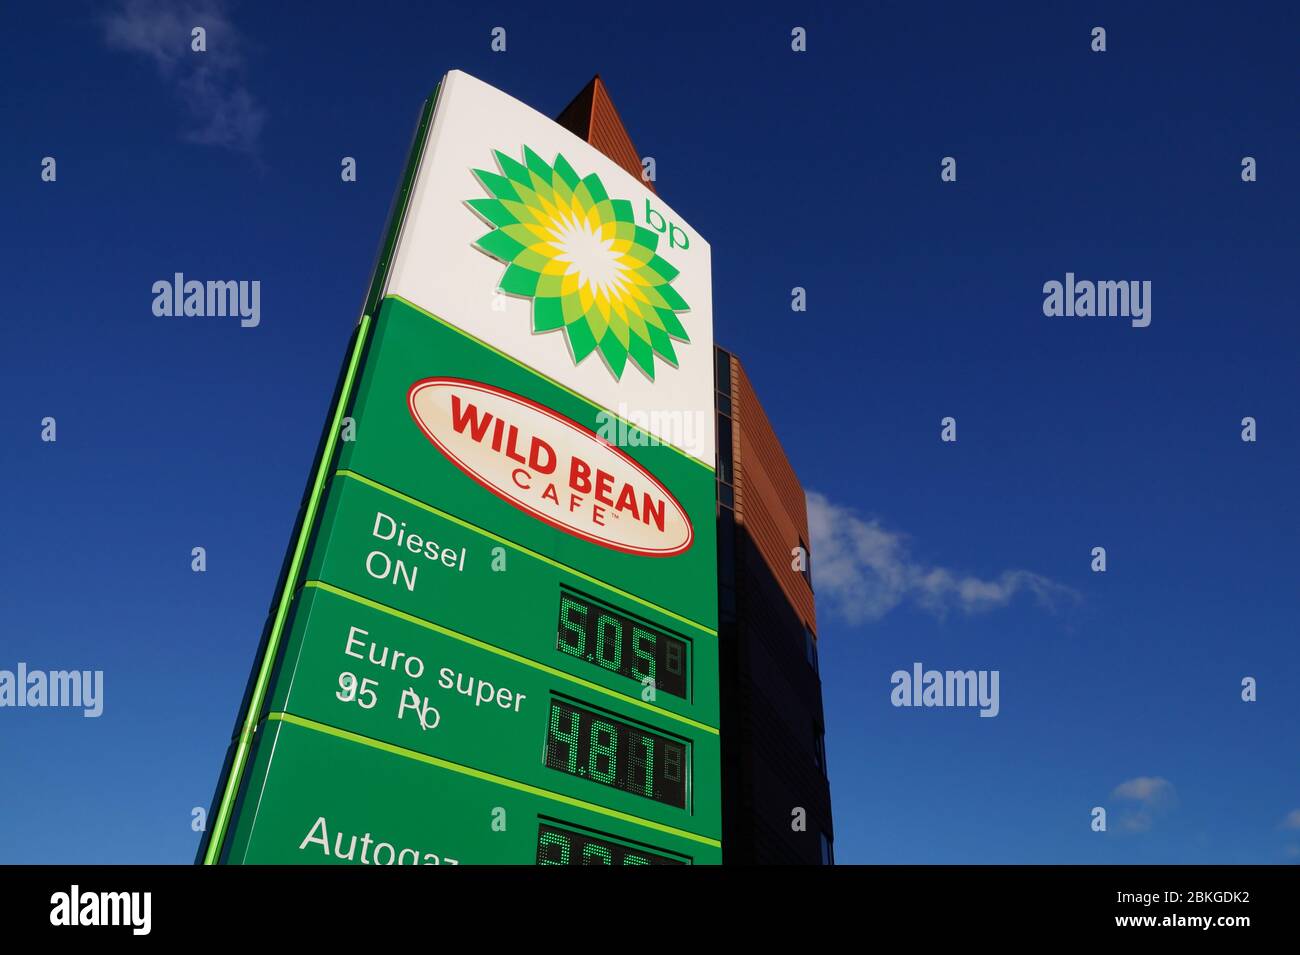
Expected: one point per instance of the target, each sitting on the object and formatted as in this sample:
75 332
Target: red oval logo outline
573 426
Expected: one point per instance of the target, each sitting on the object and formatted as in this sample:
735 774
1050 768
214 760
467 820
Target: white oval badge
550 467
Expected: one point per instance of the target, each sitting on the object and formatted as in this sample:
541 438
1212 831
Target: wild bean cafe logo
584 261
550 467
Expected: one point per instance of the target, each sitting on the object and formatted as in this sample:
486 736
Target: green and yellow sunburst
583 260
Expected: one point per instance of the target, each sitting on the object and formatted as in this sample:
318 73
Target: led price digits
610 752
563 847
621 645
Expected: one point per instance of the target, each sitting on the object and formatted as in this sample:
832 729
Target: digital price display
400 684
557 846
622 645
608 751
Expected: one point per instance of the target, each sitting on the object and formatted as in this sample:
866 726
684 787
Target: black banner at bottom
543 904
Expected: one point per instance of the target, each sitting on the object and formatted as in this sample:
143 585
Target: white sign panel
527 238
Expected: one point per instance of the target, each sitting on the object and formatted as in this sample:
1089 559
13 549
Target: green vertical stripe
233 780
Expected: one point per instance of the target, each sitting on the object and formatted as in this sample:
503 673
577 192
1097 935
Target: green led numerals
556 846
620 644
613 753
603 746
567 738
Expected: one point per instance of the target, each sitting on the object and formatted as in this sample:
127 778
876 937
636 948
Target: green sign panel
496 636
469 583
391 449
337 798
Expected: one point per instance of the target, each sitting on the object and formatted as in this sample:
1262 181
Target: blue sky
819 170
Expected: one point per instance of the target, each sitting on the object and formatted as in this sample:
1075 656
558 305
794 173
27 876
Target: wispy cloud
862 571
1153 795
222 111
1292 820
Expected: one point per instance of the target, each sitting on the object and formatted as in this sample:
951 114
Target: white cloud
1137 820
1154 795
211 84
1150 790
862 571
1292 820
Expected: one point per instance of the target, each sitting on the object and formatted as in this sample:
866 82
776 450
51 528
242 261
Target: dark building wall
773 750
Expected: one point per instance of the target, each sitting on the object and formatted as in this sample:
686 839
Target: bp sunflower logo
583 260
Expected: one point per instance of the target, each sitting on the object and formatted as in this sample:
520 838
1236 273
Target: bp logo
583 260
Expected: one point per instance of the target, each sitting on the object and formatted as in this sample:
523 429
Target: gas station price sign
490 603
